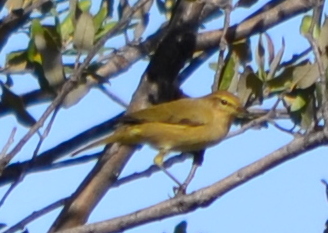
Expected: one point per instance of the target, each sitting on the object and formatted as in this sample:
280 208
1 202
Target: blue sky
289 198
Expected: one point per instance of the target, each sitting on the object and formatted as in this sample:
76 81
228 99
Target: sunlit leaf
294 102
249 87
282 82
229 70
74 11
259 57
270 47
84 33
17 61
48 45
85 5
106 28
66 28
300 106
306 24
276 62
75 95
305 75
101 15
323 41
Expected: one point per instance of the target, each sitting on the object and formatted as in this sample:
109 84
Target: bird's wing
182 112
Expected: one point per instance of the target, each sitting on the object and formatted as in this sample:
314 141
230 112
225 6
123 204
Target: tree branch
205 196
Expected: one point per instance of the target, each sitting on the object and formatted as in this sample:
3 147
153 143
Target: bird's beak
242 112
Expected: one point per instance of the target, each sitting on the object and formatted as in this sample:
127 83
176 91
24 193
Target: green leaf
84 33
85 5
66 29
323 42
305 75
270 47
76 8
242 49
295 102
101 15
300 106
230 69
259 58
74 96
305 27
249 87
47 43
17 61
276 62
106 28
282 82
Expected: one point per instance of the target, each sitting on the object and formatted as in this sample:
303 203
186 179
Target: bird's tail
103 141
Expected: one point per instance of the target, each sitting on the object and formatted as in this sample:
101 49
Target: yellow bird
184 125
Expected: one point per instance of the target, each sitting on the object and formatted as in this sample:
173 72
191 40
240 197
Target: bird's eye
224 102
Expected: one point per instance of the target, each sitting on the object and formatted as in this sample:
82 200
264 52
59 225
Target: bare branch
265 18
205 196
36 214
7 145
45 133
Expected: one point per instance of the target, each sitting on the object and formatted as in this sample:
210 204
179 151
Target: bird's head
227 103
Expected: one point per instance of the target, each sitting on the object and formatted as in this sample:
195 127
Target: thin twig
45 133
152 169
248 126
289 131
268 116
36 214
112 96
12 187
9 142
325 183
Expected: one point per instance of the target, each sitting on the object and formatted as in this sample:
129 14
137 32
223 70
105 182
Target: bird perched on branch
185 125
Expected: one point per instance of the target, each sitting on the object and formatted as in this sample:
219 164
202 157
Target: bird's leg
158 160
198 157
